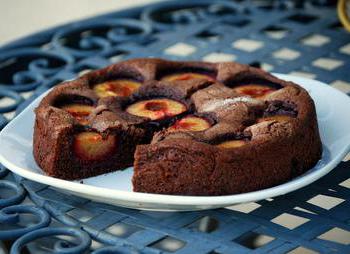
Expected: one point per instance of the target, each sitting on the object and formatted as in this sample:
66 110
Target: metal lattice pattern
275 35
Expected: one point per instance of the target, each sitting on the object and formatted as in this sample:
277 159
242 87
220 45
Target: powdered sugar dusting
221 103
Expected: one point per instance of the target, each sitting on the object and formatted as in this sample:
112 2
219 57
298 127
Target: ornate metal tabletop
301 38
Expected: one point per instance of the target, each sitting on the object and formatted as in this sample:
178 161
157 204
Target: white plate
333 111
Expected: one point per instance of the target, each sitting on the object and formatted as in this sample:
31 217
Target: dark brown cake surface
189 128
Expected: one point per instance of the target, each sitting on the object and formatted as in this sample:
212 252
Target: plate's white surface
333 110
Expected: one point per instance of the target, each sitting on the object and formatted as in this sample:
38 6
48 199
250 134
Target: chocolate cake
189 128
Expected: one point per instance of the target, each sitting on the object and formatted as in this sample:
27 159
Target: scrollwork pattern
11 215
18 190
61 246
25 69
87 39
167 16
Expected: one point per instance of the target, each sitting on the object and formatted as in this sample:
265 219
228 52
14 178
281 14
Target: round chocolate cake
189 128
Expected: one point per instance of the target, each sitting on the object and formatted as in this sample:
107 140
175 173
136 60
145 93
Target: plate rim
178 200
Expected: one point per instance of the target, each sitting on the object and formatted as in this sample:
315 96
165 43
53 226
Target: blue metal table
301 38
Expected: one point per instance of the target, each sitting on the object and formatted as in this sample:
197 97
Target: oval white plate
333 110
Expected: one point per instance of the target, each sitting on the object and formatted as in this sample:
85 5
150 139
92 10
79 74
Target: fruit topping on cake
278 118
190 123
254 91
79 111
184 76
90 146
232 144
156 109
116 88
